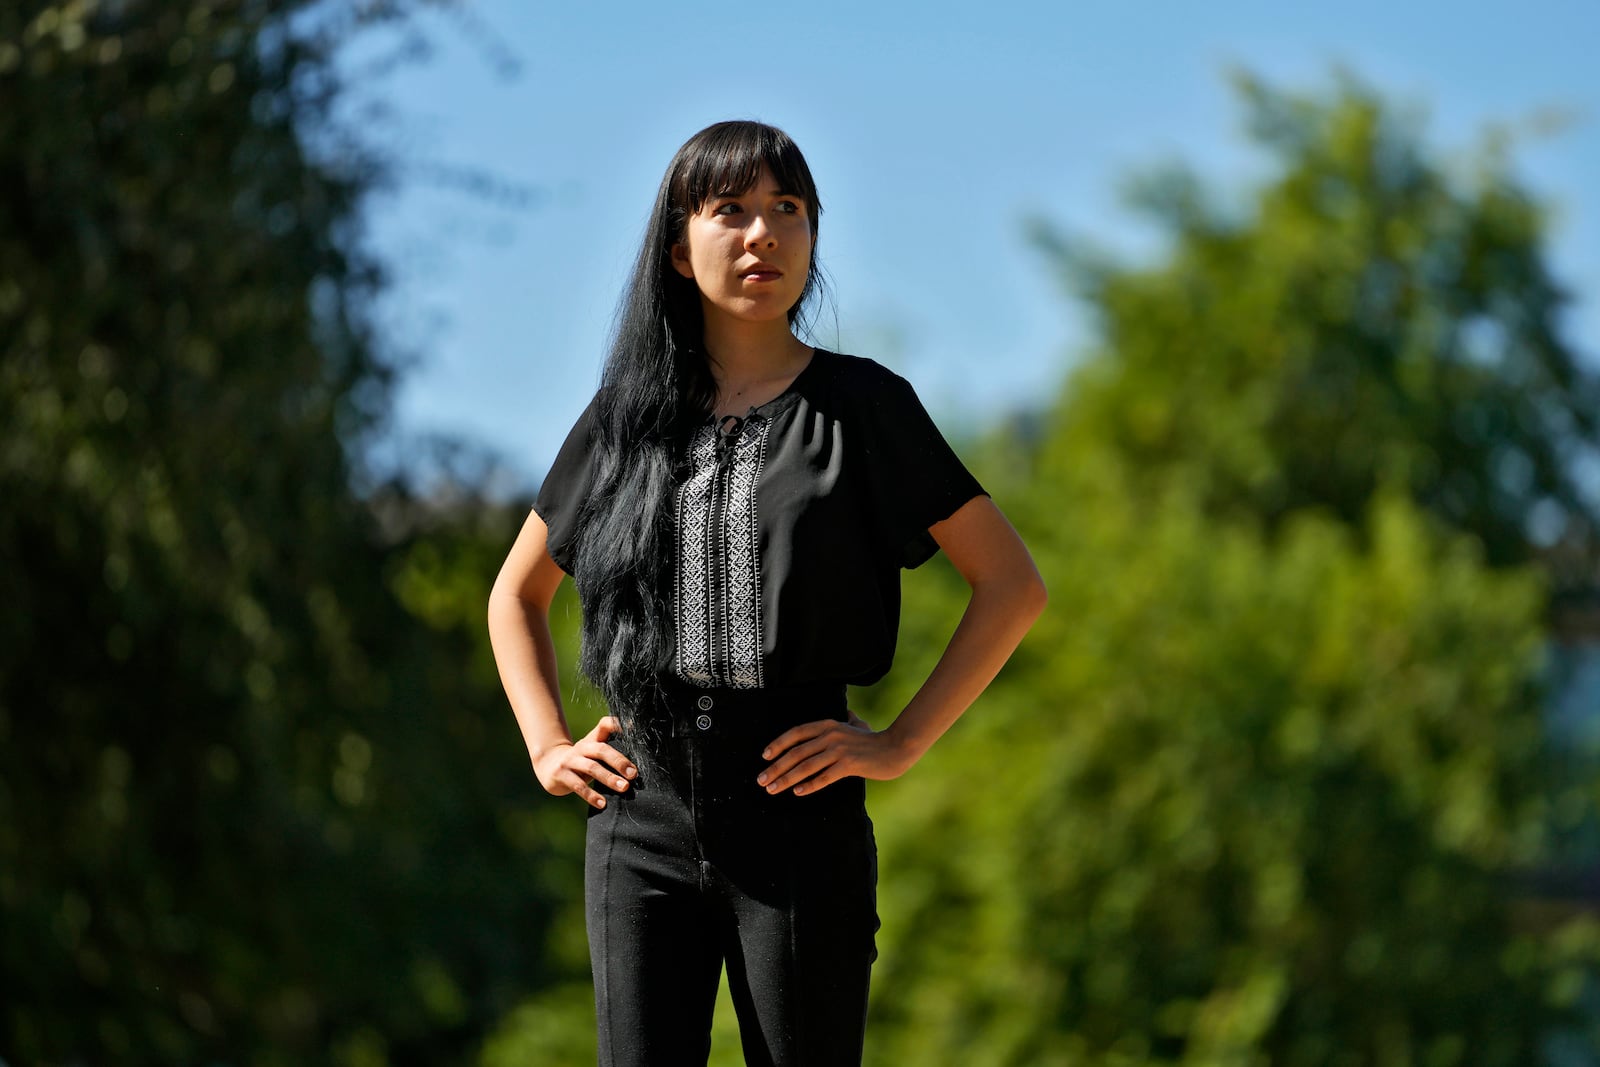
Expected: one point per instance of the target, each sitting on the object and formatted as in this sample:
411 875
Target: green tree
1258 788
1241 801
1373 310
260 798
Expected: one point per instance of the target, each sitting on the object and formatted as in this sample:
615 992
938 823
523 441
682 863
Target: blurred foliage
260 800
1241 801
1370 311
1264 784
1257 789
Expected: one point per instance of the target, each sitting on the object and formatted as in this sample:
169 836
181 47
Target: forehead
735 169
764 183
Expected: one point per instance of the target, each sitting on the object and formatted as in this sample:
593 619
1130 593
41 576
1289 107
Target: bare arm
1007 596
519 631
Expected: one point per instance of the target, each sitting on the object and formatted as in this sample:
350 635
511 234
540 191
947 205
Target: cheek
715 245
802 240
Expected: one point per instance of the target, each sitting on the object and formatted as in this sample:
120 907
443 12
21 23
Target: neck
742 352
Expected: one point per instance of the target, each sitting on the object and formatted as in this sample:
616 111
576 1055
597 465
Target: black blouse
792 526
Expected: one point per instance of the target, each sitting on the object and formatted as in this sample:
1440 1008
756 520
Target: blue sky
934 131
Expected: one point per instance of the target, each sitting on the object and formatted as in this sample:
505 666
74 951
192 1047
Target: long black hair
655 388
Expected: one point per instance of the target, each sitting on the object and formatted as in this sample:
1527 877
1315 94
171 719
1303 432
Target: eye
722 209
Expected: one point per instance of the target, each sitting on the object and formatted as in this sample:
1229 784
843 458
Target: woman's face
748 252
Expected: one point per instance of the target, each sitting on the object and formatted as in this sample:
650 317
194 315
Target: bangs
729 159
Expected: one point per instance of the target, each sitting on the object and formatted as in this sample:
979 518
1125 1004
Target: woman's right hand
570 766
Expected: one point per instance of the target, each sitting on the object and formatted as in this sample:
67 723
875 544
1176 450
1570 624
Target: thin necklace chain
741 390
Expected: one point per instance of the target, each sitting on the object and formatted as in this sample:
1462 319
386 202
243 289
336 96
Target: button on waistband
704 704
704 721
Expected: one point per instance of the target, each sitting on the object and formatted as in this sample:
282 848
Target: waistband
696 711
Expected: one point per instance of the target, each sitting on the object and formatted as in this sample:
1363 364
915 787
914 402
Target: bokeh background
1275 332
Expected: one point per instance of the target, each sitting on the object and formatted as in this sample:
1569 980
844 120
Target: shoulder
862 370
574 455
881 409
864 380
586 427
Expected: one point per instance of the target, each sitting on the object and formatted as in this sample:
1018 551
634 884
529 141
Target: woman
735 506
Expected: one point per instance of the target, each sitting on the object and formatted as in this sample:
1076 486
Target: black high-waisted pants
695 864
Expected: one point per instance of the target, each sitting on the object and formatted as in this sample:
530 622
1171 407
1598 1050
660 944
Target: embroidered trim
691 605
717 593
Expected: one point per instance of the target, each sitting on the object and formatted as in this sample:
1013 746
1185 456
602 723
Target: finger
557 787
615 760
803 771
781 765
832 773
591 769
594 799
793 736
608 725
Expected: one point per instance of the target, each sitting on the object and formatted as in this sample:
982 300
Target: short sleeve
917 478
564 489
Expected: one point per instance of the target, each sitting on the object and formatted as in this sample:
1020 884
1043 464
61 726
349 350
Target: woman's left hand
816 754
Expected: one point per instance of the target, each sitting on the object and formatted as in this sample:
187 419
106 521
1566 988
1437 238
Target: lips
761 272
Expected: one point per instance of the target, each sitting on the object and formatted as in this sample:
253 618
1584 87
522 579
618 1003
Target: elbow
1034 596
495 609
490 613
1021 595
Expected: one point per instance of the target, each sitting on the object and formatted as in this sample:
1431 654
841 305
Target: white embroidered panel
717 594
692 599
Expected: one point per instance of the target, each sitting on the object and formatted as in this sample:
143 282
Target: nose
759 234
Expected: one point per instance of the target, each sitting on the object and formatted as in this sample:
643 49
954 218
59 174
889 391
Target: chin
765 311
